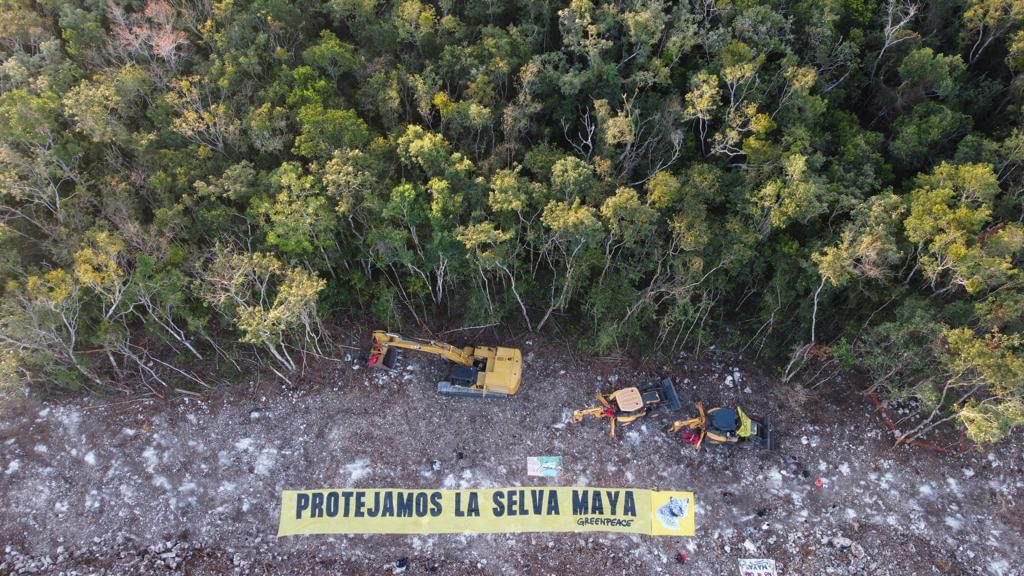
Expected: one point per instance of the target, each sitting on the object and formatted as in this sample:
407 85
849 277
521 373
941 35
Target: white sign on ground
757 567
549 466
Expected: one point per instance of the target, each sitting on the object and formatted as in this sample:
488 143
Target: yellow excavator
475 371
725 425
627 405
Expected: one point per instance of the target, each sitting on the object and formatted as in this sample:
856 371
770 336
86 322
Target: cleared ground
124 486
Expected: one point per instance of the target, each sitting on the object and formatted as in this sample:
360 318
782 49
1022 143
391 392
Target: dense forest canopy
190 183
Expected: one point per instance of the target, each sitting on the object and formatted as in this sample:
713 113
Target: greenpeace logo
600 521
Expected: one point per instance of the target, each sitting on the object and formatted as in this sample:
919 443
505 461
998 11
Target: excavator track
449 389
671 397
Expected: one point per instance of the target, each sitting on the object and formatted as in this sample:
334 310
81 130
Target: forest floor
193 485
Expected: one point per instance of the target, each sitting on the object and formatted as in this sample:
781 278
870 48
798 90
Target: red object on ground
820 482
689 437
682 557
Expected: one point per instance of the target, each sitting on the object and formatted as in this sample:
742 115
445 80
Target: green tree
322 131
331 56
948 210
297 215
573 231
273 305
925 133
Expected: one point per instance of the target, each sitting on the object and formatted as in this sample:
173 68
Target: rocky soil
192 485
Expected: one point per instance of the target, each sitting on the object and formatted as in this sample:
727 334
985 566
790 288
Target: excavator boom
475 371
384 341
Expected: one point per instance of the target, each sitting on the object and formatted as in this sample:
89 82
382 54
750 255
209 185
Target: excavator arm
694 429
384 341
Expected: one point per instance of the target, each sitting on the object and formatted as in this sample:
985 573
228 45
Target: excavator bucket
391 358
383 357
669 389
764 436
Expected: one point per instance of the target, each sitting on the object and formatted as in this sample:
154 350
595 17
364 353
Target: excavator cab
473 372
464 376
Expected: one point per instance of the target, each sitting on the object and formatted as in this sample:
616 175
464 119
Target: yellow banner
534 509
